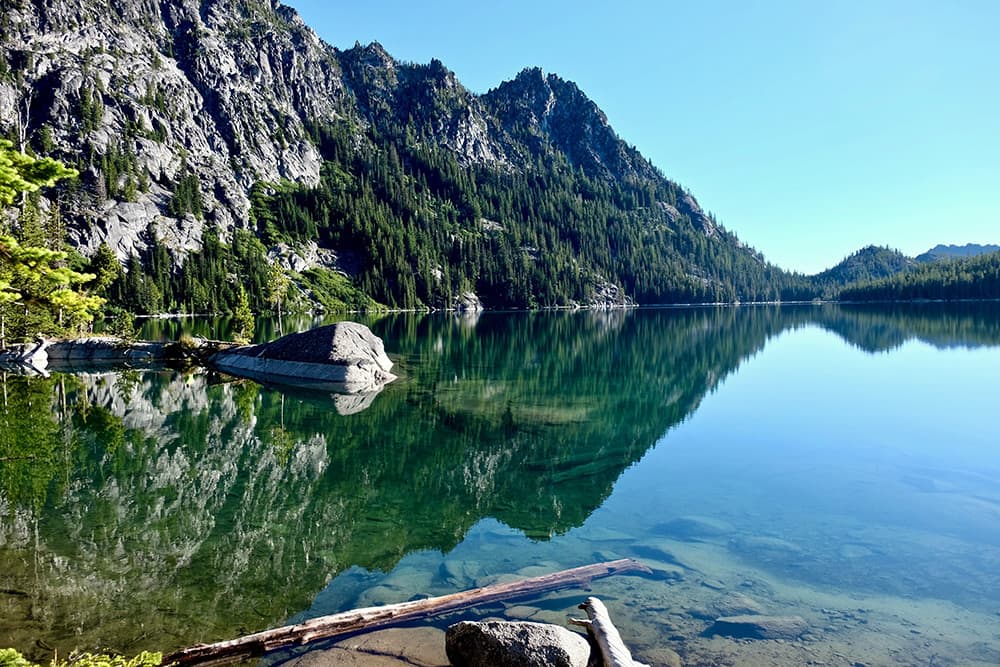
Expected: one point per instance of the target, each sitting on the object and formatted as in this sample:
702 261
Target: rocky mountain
192 119
941 251
156 91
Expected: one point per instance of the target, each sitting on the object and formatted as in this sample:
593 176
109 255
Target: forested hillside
869 263
973 278
218 140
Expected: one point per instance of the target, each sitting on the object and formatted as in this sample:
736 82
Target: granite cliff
177 111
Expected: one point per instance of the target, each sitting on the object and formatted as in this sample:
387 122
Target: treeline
973 278
224 278
426 228
209 281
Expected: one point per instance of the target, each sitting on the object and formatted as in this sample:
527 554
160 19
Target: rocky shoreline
345 357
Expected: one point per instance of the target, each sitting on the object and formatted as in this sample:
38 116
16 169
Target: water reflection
206 507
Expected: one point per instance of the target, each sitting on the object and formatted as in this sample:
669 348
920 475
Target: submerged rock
346 357
515 644
732 604
694 528
396 647
753 626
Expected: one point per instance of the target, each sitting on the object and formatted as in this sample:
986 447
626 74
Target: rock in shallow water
345 356
753 626
515 644
397 647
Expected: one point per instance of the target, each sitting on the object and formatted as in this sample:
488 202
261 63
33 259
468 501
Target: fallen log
613 649
368 618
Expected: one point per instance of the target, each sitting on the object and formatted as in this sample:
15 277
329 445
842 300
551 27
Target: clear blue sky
810 128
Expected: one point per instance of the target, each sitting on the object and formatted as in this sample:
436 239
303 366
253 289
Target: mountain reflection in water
156 510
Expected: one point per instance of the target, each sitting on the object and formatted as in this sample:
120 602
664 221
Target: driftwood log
368 618
613 649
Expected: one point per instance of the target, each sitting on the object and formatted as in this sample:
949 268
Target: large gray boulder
515 644
346 357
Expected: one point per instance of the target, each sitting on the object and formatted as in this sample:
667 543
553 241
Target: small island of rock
346 357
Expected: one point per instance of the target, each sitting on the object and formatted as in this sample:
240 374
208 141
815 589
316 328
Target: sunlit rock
345 356
515 644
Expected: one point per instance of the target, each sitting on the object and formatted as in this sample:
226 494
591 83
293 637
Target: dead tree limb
613 649
369 618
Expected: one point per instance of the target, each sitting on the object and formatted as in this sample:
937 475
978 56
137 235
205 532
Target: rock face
346 357
515 644
231 91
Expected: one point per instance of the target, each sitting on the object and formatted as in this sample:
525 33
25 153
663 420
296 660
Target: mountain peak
942 251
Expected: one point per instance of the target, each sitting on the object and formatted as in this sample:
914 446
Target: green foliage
208 283
122 325
336 293
426 228
973 278
11 658
187 197
46 143
105 267
120 168
278 286
867 264
39 294
90 109
20 172
31 462
243 321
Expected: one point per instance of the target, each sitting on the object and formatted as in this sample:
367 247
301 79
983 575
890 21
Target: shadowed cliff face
210 509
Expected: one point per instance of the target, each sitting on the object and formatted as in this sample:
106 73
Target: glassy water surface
837 464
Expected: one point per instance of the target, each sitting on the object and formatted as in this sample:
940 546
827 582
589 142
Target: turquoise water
838 464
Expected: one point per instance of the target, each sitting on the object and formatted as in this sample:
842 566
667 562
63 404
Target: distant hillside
967 278
941 251
868 264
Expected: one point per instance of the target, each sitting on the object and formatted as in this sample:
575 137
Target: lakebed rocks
758 626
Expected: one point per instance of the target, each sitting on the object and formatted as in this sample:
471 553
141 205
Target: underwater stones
403 584
534 571
490 579
396 647
693 528
664 571
460 573
737 604
659 550
756 626
515 644
763 545
732 604
376 596
664 657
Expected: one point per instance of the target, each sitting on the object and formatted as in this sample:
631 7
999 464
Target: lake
841 464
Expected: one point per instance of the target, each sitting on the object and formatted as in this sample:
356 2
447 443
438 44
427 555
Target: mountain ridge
176 113
952 251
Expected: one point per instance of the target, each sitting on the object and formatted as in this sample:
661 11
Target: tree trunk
368 618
